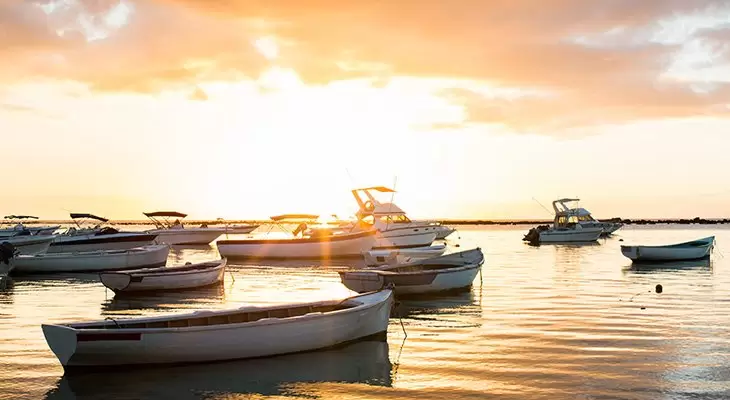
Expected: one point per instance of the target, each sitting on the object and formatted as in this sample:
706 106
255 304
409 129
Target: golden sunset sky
245 109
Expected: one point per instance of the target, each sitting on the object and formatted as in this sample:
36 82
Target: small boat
390 257
30 244
186 276
581 216
174 233
205 336
296 244
694 250
92 261
397 231
439 274
15 224
240 229
85 237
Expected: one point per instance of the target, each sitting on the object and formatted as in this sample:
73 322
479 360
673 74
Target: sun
267 46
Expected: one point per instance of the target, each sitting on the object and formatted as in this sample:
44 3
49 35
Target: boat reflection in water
699 266
363 362
194 298
461 308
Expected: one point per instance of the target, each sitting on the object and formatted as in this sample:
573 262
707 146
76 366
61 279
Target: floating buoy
620 240
659 288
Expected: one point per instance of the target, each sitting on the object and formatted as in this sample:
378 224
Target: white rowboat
316 247
694 250
433 275
92 261
204 336
165 278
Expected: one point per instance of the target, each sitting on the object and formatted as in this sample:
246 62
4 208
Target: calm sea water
549 322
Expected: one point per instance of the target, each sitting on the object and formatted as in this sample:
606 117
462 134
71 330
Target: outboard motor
7 252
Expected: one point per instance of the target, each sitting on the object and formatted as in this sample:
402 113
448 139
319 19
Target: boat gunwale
110 328
693 244
210 266
99 253
306 240
385 272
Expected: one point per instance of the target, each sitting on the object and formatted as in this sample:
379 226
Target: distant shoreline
682 221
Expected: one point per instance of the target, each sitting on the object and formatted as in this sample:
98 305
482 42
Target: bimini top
169 214
295 217
382 189
20 217
89 216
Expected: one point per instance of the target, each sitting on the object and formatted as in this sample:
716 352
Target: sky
471 109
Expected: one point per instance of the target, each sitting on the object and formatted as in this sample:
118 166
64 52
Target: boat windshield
395 219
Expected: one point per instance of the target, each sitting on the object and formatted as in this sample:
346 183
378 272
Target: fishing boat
30 244
175 233
186 276
565 229
205 336
390 257
439 274
397 231
297 243
15 224
574 214
693 250
91 233
93 261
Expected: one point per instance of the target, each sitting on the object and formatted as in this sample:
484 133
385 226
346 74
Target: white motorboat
174 233
397 231
202 336
566 228
694 250
569 214
439 274
296 244
186 276
240 229
93 261
15 225
391 257
30 244
85 237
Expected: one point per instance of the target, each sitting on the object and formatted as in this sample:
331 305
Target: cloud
598 59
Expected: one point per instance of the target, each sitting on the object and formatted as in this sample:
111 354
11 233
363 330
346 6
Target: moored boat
240 229
179 277
583 217
16 224
204 336
84 237
175 233
693 250
439 274
92 261
30 244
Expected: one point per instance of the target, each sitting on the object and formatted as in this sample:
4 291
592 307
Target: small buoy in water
457 245
659 288
620 240
643 308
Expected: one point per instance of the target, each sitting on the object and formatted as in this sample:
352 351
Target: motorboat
573 214
91 234
15 224
30 244
693 250
179 277
566 228
175 233
93 261
397 231
240 229
298 243
205 336
375 258
438 274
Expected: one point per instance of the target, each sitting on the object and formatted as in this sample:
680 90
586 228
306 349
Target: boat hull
187 235
442 232
168 278
584 235
324 247
117 241
404 238
669 253
389 257
30 245
240 229
149 256
412 283
76 346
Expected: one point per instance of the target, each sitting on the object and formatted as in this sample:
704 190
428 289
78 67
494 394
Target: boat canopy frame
161 219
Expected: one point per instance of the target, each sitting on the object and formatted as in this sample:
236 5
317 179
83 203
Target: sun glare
267 46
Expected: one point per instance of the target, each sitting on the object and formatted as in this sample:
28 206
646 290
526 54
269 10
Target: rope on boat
113 320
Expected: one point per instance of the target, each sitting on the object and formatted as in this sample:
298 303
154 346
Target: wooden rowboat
186 276
694 250
202 336
439 274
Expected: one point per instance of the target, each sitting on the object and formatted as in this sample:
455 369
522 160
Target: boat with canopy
173 232
91 232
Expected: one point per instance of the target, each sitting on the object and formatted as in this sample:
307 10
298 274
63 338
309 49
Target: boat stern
62 341
115 281
362 282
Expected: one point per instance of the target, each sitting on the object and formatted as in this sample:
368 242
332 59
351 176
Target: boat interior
424 267
235 317
179 268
